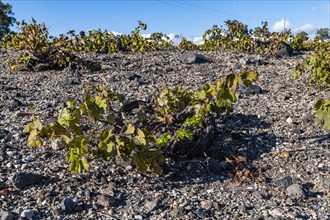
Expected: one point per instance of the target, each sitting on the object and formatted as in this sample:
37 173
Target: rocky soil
286 174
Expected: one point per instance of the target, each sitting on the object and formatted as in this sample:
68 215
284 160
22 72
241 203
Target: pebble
27 213
131 76
289 120
295 191
67 205
23 179
260 195
237 65
275 213
106 200
151 205
57 144
254 89
13 103
284 182
138 217
244 61
216 205
87 193
9 165
177 212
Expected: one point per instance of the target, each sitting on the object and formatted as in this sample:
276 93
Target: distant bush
57 52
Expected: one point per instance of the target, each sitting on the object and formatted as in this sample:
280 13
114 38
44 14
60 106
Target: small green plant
36 47
98 127
32 37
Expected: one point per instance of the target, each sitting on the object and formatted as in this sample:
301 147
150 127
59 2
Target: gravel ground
286 174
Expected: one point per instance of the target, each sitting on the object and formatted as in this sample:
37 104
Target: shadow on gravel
243 135
316 139
238 144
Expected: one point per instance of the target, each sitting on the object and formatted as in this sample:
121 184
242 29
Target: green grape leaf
63 117
70 104
193 121
163 141
183 133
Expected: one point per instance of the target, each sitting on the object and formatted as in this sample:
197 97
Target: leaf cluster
237 37
38 47
317 65
98 126
300 42
33 41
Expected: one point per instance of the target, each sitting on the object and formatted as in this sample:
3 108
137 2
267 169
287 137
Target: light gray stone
295 190
27 213
190 58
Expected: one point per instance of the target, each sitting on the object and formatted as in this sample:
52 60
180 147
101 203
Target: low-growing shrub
176 123
38 52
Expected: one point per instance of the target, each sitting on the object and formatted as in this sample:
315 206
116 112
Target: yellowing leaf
37 125
29 127
169 117
84 164
251 76
141 137
130 130
101 103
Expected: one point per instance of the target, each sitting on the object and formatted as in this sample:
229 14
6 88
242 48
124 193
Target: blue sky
189 18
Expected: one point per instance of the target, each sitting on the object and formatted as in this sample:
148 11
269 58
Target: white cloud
176 40
146 35
281 25
308 28
197 40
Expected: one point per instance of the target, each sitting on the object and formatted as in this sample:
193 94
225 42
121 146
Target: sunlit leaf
130 130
